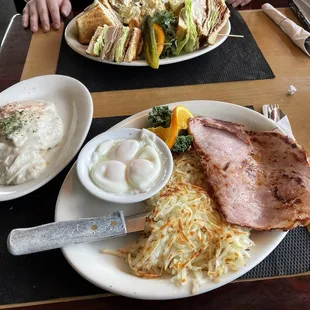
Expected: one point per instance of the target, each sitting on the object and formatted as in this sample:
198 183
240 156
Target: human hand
235 3
36 10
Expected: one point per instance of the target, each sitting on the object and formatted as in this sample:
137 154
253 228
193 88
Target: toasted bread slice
96 15
181 28
176 6
134 23
106 3
112 10
133 45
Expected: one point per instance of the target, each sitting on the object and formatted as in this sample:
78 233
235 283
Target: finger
25 18
236 3
33 17
230 1
245 2
43 13
65 8
54 11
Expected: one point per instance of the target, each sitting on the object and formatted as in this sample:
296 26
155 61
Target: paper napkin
283 123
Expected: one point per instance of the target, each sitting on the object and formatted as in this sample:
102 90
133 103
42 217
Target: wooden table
38 55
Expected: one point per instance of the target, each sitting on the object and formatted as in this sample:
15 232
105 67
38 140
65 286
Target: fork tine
269 109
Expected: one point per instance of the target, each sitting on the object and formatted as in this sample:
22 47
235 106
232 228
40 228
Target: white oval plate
71 38
112 273
74 105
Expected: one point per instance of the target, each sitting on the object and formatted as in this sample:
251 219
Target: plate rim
55 172
279 238
143 63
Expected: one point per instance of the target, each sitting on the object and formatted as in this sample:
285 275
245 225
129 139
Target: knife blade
55 235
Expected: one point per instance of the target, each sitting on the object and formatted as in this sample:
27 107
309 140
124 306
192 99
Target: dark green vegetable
160 116
150 46
182 143
168 22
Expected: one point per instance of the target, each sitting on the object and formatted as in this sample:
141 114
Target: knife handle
59 234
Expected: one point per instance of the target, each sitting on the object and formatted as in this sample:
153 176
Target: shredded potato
185 235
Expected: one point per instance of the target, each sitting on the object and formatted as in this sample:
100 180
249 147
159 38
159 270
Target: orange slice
161 132
180 115
179 120
160 38
169 135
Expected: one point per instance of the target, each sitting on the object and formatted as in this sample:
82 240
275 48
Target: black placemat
237 59
47 275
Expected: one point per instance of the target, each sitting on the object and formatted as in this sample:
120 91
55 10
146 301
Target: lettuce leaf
98 46
193 41
190 42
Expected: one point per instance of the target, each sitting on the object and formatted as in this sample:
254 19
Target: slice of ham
259 180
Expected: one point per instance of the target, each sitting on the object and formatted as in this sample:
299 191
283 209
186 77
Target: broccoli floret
160 116
182 143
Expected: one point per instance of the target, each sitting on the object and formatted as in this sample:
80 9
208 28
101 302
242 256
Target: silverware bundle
273 112
302 10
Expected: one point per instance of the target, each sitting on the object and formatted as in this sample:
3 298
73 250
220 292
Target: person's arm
39 10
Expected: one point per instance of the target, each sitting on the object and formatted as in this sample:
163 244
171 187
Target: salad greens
160 116
168 22
182 143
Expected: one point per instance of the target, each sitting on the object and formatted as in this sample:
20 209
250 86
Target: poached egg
127 166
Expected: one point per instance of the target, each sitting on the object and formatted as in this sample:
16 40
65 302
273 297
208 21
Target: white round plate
71 38
74 105
112 273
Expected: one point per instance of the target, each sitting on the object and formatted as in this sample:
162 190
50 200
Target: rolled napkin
298 35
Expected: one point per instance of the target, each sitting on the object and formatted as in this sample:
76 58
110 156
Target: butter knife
55 235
